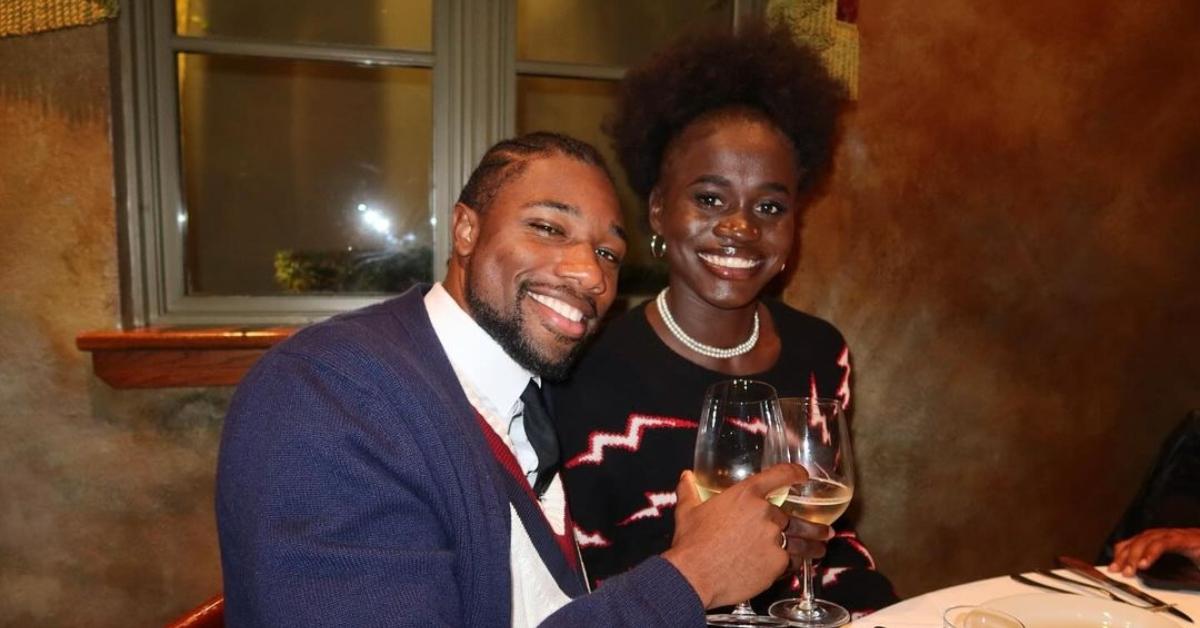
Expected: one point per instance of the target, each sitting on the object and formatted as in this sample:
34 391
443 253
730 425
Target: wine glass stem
806 594
743 609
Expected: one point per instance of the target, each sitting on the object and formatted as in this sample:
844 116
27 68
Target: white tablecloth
927 609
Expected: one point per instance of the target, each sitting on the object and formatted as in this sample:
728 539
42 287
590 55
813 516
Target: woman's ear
656 208
464 230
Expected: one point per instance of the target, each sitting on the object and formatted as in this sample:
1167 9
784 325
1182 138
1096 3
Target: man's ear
464 230
656 209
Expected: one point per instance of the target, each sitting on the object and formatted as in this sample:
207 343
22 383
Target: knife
1034 583
1088 571
1061 578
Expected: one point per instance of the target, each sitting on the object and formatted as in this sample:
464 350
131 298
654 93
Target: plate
1049 610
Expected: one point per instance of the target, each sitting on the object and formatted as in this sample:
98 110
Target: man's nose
580 263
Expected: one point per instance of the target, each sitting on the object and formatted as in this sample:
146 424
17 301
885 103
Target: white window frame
474 105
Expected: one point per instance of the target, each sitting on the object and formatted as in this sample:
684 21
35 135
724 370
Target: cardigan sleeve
327 520
324 518
652 594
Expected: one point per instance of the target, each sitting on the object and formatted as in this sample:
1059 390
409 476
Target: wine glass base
822 615
734 620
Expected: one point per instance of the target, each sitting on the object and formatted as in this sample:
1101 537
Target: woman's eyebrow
713 179
718 180
776 187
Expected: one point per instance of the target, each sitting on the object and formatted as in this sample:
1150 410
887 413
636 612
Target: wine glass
978 617
740 434
819 440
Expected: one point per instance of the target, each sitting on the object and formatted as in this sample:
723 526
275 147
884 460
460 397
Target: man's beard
508 330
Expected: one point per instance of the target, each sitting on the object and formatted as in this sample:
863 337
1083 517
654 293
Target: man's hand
1139 552
728 548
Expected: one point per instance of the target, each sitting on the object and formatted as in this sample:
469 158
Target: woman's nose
737 226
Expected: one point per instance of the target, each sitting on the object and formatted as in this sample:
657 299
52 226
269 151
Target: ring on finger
782 540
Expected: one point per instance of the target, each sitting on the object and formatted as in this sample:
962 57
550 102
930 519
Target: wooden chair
210 614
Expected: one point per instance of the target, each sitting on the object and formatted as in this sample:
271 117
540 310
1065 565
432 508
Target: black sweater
627 424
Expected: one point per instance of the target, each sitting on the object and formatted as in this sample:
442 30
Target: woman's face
725 203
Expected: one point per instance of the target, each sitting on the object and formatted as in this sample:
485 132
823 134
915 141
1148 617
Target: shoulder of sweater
629 332
395 331
610 358
790 320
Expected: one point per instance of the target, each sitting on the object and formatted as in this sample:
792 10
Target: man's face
541 262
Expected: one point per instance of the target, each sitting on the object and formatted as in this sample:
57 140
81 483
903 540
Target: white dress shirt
493 383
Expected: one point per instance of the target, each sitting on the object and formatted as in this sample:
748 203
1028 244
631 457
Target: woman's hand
1139 552
805 539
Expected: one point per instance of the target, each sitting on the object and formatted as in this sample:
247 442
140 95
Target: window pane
303 176
406 24
576 107
611 32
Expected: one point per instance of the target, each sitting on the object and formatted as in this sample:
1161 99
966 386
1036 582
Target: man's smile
564 313
568 311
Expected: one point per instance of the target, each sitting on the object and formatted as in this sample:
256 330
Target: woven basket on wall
23 17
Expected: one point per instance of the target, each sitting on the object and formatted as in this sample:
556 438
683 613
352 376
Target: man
380 468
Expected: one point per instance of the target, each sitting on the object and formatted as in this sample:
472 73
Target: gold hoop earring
658 246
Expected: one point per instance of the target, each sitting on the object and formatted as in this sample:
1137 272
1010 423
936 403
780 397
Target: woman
726 136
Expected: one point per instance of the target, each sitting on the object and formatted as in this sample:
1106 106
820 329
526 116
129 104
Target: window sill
165 357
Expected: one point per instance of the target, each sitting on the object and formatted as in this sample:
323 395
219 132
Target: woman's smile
733 267
727 260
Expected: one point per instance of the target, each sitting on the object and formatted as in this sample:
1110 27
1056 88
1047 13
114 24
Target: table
927 609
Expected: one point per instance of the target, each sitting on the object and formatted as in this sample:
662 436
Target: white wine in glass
818 500
819 440
740 434
778 497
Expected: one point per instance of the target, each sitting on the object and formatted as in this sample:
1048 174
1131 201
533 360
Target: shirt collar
477 358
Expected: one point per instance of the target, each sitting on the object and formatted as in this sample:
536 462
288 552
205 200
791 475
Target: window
570 55
284 161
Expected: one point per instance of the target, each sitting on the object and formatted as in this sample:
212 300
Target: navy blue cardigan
355 488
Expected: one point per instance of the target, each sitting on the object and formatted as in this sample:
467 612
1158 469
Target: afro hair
761 67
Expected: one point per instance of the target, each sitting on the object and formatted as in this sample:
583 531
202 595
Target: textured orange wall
1011 244
105 496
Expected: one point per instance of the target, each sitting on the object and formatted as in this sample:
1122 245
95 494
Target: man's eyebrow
618 231
567 208
555 205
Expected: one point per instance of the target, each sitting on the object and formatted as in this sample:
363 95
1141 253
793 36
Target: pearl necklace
696 345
